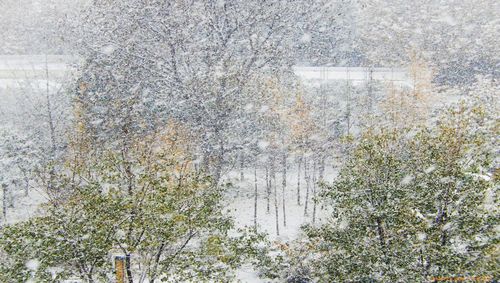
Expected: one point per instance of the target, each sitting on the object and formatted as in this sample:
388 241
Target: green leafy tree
411 204
147 204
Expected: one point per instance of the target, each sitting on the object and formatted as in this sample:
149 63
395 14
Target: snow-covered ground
241 203
241 207
25 206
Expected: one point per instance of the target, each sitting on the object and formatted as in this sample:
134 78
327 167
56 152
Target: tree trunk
4 202
322 169
129 269
255 198
273 180
51 128
10 194
219 156
381 236
314 191
218 167
242 166
26 182
26 187
283 197
348 106
268 191
306 176
298 181
154 272
321 172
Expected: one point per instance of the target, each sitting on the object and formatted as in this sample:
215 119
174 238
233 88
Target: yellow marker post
120 269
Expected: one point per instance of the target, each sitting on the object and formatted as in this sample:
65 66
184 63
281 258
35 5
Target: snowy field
241 203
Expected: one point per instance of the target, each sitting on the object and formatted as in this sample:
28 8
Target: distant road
34 66
15 68
356 75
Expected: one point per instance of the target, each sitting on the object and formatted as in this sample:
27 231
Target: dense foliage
411 204
145 204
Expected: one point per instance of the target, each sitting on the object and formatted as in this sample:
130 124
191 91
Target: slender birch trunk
268 191
242 167
255 198
307 177
26 182
49 111
314 191
11 194
276 211
283 197
50 121
322 172
4 202
298 181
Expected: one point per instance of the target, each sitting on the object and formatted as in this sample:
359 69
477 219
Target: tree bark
129 269
322 171
10 194
156 262
268 191
283 196
219 156
273 180
242 166
314 191
4 202
381 236
306 176
255 198
298 181
51 129
26 182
